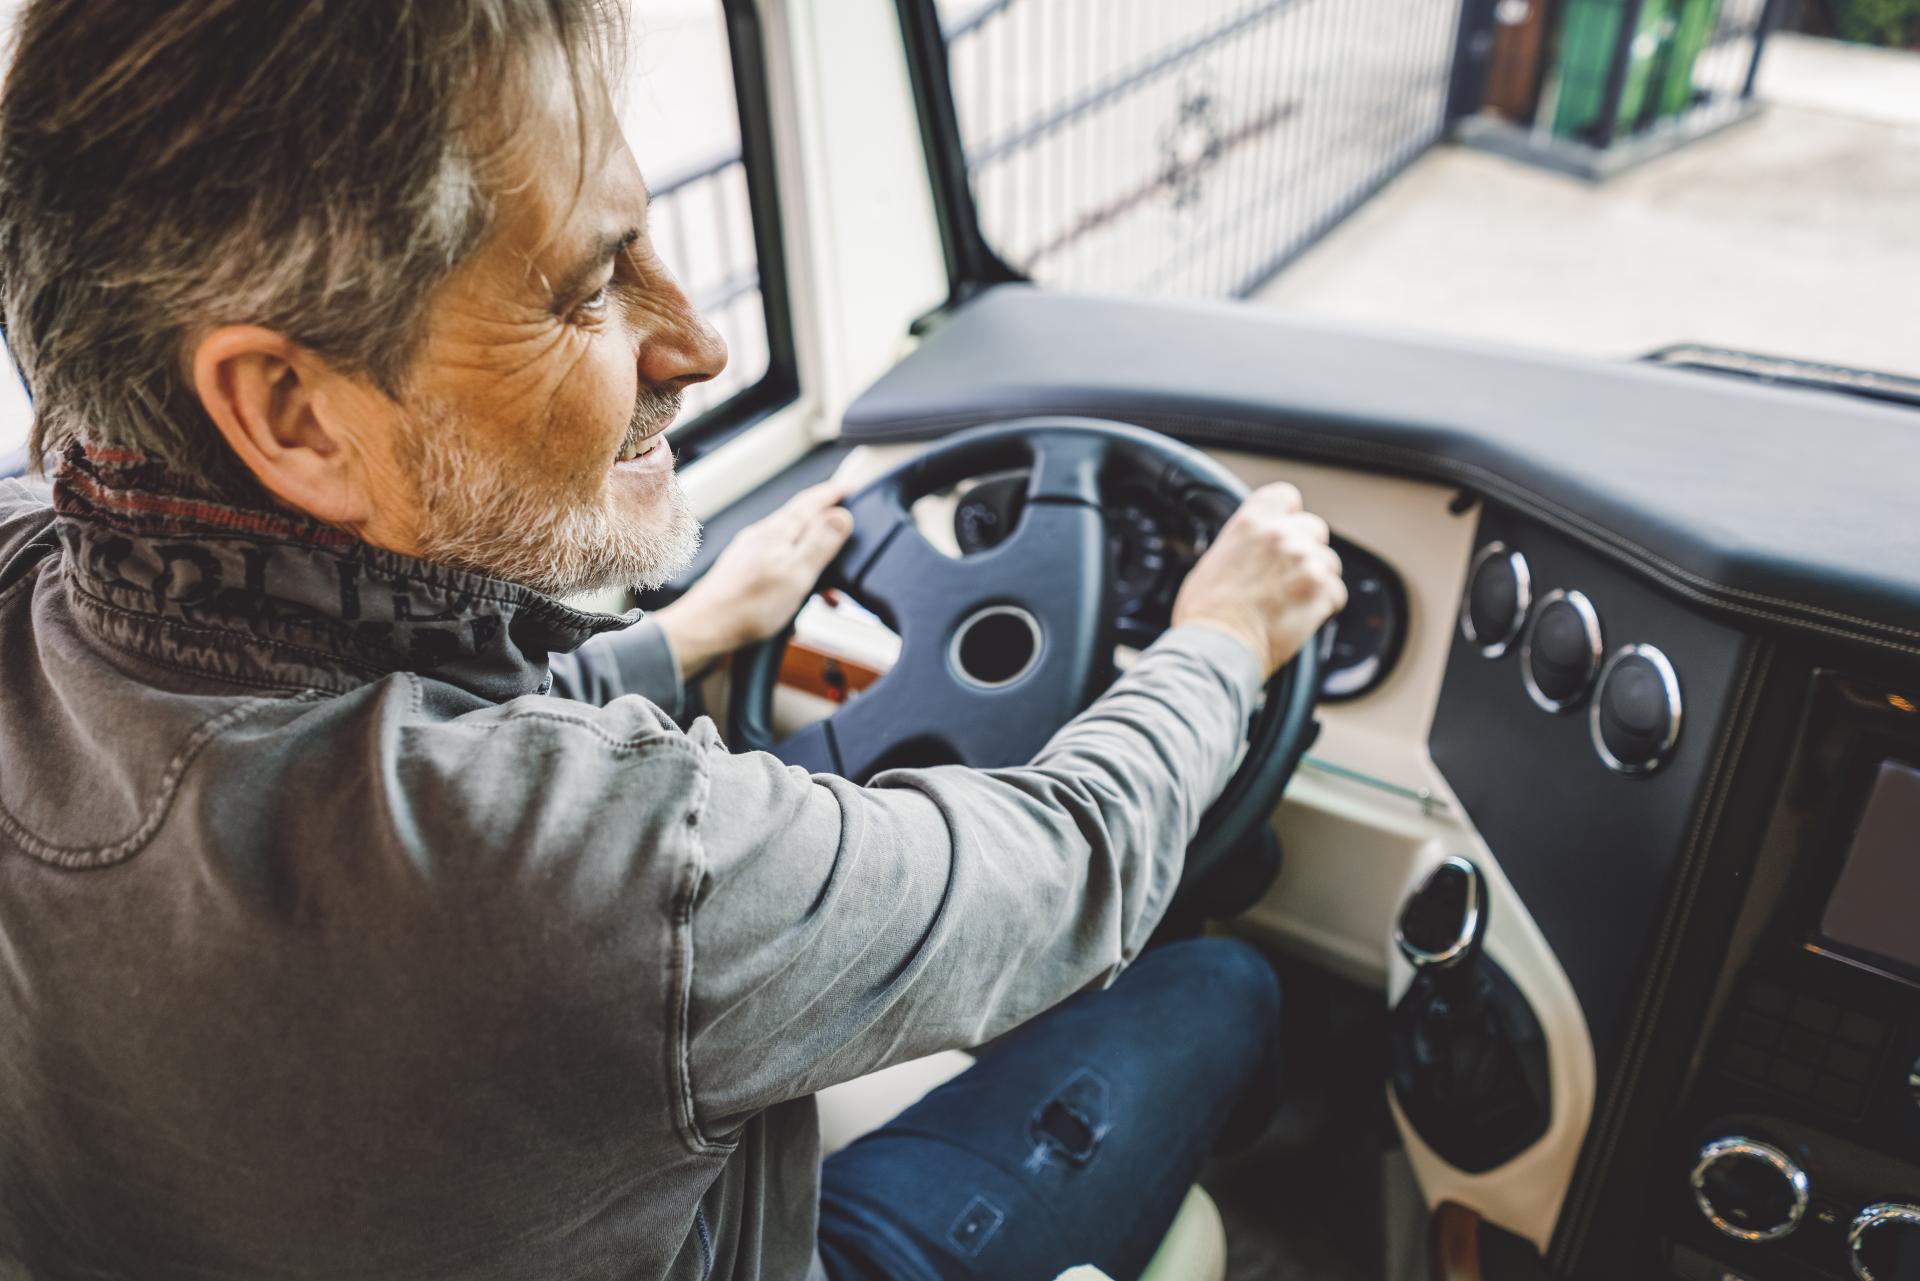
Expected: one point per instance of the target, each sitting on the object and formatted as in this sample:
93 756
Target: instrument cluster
1155 537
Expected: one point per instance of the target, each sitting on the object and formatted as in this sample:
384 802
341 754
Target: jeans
1072 1140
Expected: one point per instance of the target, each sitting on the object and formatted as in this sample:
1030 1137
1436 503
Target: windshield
1607 177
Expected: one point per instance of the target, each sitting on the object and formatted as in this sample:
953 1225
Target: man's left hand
760 581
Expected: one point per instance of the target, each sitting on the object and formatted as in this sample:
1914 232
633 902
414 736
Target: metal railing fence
1187 149
702 224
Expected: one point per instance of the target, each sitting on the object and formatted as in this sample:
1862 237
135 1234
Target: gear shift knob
1444 923
1467 1056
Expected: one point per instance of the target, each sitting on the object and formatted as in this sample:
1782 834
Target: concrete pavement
1792 234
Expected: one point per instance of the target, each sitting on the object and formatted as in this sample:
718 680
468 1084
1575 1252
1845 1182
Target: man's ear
268 396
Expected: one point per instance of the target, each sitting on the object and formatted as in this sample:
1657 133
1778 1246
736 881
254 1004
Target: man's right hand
1269 580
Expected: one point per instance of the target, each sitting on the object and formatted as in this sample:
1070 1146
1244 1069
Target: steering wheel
1001 648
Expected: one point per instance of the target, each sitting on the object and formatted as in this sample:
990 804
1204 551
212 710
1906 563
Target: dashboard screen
1872 911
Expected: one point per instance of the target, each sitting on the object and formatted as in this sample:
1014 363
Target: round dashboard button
1562 650
1884 1242
1499 594
1636 710
1749 1190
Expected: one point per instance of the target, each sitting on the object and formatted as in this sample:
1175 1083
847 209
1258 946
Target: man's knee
1231 1004
1235 983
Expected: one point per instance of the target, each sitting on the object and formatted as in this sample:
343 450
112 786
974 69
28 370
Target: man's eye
595 304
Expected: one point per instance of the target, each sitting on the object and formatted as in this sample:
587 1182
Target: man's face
533 431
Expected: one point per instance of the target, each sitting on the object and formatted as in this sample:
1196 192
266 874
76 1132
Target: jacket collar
268 598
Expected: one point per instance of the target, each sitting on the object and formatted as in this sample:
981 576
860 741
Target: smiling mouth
639 448
653 412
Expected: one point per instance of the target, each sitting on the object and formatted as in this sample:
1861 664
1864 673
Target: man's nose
685 349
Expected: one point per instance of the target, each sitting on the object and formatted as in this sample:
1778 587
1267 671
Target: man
363 912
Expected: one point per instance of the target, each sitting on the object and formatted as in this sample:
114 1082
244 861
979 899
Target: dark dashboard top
1778 507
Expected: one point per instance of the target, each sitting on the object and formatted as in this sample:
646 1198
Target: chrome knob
1751 1191
1443 922
1884 1242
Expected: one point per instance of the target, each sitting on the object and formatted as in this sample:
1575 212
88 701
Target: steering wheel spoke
879 517
898 577
1068 467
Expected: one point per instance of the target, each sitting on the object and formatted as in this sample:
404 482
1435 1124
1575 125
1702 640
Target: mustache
653 412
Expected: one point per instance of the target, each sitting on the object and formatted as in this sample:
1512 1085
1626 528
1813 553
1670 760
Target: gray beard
481 514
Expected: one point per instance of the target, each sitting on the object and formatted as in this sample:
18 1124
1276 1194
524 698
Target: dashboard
1612 758
1593 734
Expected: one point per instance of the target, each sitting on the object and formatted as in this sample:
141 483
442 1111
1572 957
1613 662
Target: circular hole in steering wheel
996 646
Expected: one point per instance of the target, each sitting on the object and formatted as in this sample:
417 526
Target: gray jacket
362 918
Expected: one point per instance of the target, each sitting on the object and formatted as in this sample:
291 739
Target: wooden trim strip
814 671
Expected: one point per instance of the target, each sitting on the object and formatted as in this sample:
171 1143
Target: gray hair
311 166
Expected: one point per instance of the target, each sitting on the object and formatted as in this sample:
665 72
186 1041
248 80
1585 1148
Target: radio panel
1799 1153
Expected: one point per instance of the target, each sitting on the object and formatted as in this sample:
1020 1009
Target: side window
1188 149
681 112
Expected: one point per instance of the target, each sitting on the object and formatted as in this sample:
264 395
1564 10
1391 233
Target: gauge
1149 555
1367 634
1140 550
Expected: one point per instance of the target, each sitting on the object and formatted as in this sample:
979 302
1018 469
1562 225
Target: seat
1194 1249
